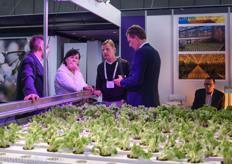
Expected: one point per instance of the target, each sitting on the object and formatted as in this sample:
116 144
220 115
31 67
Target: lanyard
115 69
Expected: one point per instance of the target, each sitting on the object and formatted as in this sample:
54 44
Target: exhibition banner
202 47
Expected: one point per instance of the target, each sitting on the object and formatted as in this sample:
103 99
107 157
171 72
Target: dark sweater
112 94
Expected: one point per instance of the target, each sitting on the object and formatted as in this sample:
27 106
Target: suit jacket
142 81
218 99
30 77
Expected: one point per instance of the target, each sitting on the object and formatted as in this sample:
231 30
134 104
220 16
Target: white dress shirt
208 98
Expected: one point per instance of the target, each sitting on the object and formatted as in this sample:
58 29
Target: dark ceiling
80 26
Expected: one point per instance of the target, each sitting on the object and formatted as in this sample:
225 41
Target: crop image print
202 38
11 52
201 66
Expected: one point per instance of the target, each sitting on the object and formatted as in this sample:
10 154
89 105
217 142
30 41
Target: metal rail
20 107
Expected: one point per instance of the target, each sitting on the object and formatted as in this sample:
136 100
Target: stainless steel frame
20 107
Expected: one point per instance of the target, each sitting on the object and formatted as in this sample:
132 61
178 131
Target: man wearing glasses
209 96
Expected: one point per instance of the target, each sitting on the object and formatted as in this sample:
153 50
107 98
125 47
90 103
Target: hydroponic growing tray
180 132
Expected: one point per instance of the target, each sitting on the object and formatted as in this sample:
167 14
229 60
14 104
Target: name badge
110 84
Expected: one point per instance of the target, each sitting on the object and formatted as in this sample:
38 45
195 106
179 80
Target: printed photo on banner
201 66
12 52
202 38
202 19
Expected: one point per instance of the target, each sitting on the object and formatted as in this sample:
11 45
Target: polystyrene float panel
16 154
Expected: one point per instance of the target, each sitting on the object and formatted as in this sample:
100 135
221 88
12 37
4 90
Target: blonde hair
110 43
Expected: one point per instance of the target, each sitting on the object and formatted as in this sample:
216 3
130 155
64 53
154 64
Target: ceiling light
105 1
61 0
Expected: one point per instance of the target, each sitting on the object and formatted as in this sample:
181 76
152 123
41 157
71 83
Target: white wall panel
94 58
159 30
52 64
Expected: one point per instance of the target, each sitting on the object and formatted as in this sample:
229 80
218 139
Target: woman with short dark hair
68 77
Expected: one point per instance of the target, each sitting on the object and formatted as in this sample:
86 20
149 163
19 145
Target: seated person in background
109 70
209 96
69 78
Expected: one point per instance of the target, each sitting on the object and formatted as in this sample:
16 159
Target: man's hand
117 81
89 88
98 93
33 97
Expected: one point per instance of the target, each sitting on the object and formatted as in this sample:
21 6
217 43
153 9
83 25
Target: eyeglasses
210 84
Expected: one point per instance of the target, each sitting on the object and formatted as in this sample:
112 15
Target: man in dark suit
209 96
142 81
30 72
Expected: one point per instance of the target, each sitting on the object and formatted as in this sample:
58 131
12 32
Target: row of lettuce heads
184 133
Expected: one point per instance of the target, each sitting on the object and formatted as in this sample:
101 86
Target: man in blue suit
142 81
30 72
